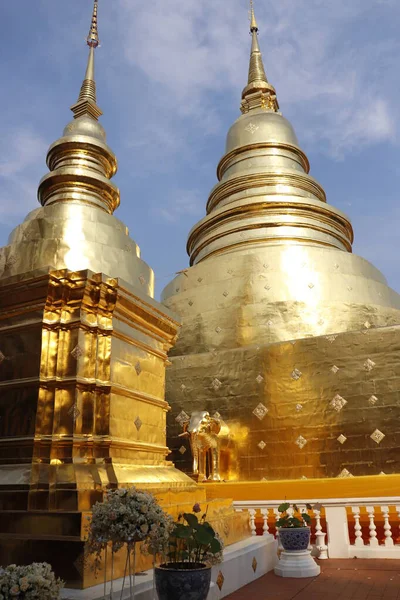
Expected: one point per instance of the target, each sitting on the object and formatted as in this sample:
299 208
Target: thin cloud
22 151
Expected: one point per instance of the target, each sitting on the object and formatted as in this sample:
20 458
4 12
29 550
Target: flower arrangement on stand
29 582
188 551
125 517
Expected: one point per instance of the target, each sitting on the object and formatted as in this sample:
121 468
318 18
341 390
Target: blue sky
169 77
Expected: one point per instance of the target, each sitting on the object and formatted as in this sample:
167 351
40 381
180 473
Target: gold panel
322 407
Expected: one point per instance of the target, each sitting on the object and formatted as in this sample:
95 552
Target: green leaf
203 536
283 507
207 526
182 532
306 518
295 522
215 546
191 519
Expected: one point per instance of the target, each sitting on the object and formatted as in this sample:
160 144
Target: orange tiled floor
353 579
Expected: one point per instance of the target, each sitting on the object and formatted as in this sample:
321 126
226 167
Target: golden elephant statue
205 434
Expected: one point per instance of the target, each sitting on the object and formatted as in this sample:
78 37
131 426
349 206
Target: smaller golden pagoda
83 353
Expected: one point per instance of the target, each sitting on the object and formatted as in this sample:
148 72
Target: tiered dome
75 228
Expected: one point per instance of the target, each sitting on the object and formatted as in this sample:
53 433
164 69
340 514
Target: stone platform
244 562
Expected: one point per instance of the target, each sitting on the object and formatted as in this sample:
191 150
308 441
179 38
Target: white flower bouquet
31 582
126 516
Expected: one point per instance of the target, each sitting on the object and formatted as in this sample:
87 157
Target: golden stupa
293 340
83 354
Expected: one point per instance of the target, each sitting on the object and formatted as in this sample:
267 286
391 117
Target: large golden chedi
289 336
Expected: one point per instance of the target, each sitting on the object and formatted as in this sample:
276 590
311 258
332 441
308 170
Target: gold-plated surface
300 334
84 363
83 353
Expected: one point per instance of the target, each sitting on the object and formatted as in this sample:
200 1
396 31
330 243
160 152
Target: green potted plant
294 527
189 552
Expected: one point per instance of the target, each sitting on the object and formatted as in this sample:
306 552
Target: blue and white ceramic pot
294 539
175 581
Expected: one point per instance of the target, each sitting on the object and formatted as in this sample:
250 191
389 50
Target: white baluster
357 527
252 514
320 537
264 513
373 541
387 527
277 517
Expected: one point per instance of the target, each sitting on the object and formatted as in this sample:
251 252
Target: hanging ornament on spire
253 22
93 37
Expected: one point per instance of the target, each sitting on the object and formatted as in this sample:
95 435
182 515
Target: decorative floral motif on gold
296 374
345 473
377 436
338 403
182 417
216 384
260 411
77 352
301 442
369 364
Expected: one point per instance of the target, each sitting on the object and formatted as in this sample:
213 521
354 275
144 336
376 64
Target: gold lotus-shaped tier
271 262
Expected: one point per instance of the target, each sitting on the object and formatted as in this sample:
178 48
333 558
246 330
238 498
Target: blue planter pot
174 581
294 538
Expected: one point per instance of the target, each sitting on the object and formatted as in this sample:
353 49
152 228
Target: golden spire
258 93
80 162
253 22
87 103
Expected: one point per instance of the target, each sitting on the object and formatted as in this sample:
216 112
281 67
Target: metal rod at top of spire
253 22
93 37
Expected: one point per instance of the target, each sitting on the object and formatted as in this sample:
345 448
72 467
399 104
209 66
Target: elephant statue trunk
203 431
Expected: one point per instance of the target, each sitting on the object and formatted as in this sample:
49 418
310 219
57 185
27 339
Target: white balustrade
265 513
357 527
320 537
373 540
335 542
387 527
277 515
252 515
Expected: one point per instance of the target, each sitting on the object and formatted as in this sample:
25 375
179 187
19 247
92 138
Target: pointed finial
253 22
87 102
93 37
258 93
